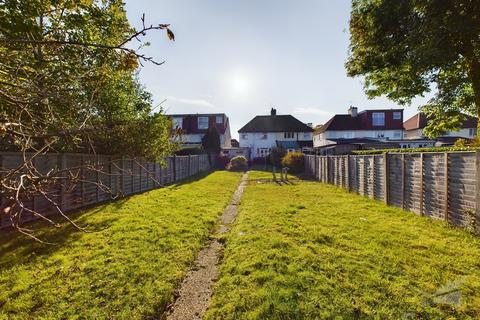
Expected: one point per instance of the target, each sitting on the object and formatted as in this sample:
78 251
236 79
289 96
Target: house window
380 135
397 134
244 136
472 132
397 115
264 136
177 123
378 119
202 122
306 135
288 135
219 119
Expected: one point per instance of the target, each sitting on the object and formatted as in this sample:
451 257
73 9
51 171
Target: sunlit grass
313 251
126 269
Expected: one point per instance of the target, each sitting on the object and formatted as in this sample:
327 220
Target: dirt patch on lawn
196 289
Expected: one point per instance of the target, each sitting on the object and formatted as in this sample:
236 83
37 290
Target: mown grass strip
313 251
126 269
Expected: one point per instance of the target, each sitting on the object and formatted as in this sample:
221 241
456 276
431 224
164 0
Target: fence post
122 175
347 173
477 191
421 184
97 177
403 181
327 165
445 170
188 167
315 169
174 167
62 167
385 176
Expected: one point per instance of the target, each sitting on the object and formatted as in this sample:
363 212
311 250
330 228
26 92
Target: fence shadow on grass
15 246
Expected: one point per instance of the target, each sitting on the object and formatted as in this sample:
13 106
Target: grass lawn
126 269
313 251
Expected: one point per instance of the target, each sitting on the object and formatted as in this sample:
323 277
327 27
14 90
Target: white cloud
195 102
312 111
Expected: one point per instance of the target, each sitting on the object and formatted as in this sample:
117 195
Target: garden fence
441 185
121 176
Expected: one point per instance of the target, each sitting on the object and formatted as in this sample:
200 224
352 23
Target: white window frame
177 122
306 135
201 124
244 136
376 117
288 135
397 115
219 119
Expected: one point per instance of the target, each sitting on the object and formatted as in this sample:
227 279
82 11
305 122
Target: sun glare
239 83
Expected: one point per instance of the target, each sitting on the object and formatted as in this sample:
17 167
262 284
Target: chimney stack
273 112
353 111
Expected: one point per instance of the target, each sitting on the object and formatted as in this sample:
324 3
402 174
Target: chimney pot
273 112
353 111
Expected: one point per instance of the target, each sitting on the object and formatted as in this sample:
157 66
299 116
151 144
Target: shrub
258 161
410 150
222 162
238 163
276 156
295 161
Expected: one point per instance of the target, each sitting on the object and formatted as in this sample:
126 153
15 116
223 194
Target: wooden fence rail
441 185
121 175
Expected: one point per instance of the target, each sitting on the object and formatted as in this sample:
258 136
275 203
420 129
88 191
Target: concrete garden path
196 289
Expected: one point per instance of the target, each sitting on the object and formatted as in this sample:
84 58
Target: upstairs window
306 135
288 135
177 123
202 122
244 136
397 115
378 119
219 119
472 132
264 136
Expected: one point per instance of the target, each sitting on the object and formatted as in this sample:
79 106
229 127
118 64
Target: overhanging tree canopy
407 48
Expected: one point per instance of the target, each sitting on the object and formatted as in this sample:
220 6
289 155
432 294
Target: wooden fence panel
110 177
462 185
439 185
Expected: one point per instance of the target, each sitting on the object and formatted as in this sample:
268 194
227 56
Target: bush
259 161
238 163
222 162
276 156
295 161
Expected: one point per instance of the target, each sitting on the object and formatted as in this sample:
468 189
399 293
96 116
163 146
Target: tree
405 49
68 84
211 142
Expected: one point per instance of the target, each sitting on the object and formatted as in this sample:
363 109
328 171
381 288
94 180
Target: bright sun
239 83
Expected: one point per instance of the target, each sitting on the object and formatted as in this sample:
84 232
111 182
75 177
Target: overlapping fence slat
122 176
441 185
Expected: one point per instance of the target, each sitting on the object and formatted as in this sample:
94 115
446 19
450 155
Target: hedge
410 150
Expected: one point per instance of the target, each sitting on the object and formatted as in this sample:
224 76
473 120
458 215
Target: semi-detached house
263 133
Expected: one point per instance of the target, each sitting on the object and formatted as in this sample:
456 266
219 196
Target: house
379 127
192 128
263 133
415 125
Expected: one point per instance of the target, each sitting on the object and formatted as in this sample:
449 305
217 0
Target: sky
243 57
